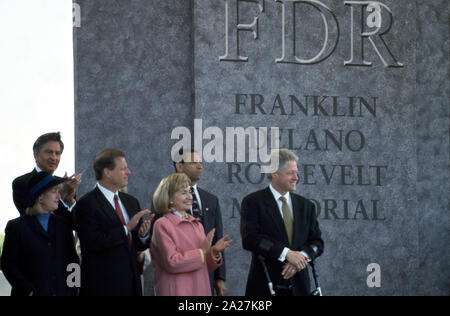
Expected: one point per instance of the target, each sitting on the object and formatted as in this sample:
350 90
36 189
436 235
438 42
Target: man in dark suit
206 209
47 151
280 228
111 232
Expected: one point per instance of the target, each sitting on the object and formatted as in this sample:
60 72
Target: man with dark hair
108 223
47 151
280 228
205 208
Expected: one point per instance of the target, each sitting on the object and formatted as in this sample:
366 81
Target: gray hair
284 157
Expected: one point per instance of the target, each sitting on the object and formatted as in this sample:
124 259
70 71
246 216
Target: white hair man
280 228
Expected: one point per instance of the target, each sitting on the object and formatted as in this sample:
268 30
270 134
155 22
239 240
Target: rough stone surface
379 173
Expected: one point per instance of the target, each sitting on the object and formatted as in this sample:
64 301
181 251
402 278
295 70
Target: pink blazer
179 270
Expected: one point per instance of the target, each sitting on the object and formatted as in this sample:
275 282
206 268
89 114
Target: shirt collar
175 217
277 194
108 194
38 169
177 213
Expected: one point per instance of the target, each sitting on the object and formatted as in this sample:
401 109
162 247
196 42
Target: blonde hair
37 208
166 189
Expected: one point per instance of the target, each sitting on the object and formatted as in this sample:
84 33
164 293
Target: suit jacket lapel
106 207
207 219
296 209
274 211
202 199
37 227
52 228
129 208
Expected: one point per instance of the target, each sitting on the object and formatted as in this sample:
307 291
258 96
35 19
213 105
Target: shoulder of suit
256 198
301 199
266 192
258 194
87 196
206 193
87 201
127 196
15 222
62 220
23 178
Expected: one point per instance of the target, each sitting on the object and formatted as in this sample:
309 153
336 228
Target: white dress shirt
287 196
110 197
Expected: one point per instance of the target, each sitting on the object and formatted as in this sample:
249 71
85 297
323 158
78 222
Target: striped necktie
196 211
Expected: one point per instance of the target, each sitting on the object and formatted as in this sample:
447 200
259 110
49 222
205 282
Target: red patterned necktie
120 214
119 209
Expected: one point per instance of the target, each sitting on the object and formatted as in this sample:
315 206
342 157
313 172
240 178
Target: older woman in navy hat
39 246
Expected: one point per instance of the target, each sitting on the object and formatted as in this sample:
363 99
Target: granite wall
359 91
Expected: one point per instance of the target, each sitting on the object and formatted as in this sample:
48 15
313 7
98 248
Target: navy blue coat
34 260
20 196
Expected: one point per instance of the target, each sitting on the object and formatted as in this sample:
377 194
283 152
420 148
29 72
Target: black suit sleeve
69 238
219 273
253 238
19 187
140 246
315 245
64 212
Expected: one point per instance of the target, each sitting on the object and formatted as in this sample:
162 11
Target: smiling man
111 232
280 228
47 151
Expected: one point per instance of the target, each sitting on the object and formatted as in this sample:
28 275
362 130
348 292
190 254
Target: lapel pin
207 209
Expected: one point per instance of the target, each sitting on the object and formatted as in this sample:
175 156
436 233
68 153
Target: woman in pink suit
181 252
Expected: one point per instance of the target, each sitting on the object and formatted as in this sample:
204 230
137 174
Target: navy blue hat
39 183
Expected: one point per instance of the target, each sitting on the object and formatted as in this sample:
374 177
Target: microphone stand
269 280
318 290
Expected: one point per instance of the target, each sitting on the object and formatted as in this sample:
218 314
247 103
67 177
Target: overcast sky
36 87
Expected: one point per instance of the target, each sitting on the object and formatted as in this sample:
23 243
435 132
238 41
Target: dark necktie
287 218
120 214
196 211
